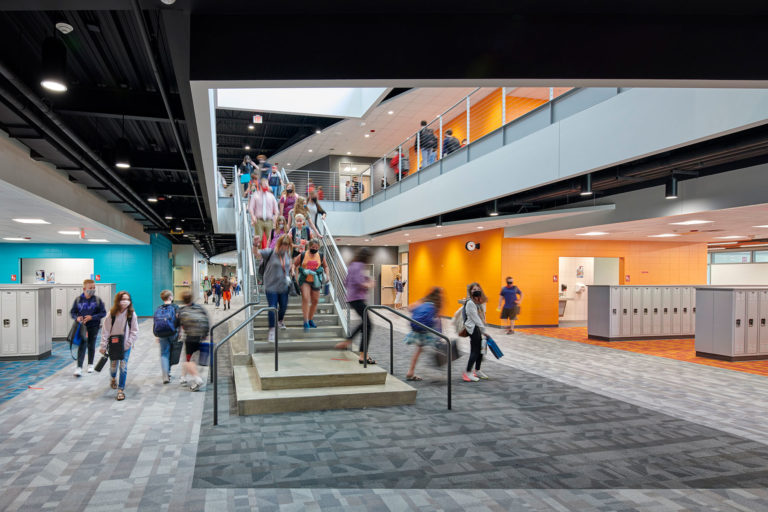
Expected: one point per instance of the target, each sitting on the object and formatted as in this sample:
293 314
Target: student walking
428 145
279 231
194 323
217 291
315 210
206 289
88 310
312 271
474 308
277 280
358 283
121 325
226 293
275 182
287 201
165 327
511 297
399 288
246 168
300 235
263 210
450 143
427 312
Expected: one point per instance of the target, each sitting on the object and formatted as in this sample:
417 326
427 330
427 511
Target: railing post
399 162
418 152
364 335
468 104
440 139
551 93
277 336
503 106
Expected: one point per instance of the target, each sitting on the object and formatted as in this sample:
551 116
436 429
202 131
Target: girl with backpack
277 280
300 234
358 283
474 323
121 330
312 271
165 327
427 312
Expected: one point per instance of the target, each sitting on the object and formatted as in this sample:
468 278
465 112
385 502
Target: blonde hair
87 282
299 216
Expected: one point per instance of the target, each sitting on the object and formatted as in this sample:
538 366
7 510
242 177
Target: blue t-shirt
510 294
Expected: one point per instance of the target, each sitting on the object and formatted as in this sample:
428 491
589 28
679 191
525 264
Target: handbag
116 342
175 355
74 337
441 351
494 348
294 290
204 357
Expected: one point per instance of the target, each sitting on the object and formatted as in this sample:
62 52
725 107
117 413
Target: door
615 321
73 292
676 311
626 311
647 327
9 341
739 330
656 310
637 311
753 309
666 311
61 318
693 310
685 311
27 300
763 324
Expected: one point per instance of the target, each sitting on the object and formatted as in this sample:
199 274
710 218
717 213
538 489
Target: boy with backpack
88 310
165 328
195 324
426 312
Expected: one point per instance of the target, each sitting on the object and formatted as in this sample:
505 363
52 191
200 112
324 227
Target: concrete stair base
288 345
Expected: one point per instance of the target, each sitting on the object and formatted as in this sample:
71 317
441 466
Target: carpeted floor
19 376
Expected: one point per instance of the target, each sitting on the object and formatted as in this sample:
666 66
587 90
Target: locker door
685 313
739 330
61 318
626 311
615 317
753 308
666 311
656 310
647 322
72 293
675 304
27 301
637 311
763 323
693 310
9 341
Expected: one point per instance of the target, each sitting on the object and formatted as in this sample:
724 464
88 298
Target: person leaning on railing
313 205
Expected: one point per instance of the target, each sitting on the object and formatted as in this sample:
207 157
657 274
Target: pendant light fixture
586 185
495 212
123 150
670 190
54 65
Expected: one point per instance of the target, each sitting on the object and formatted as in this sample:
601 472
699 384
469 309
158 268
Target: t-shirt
510 294
288 203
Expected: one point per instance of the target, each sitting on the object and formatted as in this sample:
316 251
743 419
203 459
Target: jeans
93 333
276 192
123 369
279 300
218 300
428 157
475 349
359 307
165 354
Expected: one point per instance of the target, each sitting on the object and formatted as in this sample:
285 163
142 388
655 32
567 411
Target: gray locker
738 328
752 321
656 311
686 327
666 311
763 323
615 324
27 322
9 342
676 310
626 308
647 311
637 311
61 318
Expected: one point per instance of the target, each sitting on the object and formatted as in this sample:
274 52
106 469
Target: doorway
575 275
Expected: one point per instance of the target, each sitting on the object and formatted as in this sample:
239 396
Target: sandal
370 361
413 377
120 396
113 383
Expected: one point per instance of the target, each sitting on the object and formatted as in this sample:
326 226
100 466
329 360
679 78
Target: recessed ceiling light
367 239
753 245
152 199
98 240
187 236
763 226
406 234
730 237
31 221
716 249
289 163
349 152
438 234
480 227
723 243
178 228
494 214
310 150
168 217
391 112
691 222
69 232
663 235
247 148
250 127
367 135
318 132
16 238
592 233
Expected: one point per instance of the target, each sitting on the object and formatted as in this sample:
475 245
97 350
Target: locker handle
625 311
655 310
685 310
645 311
635 311
666 310
614 311
6 322
24 322
738 322
751 322
674 310
762 322
58 312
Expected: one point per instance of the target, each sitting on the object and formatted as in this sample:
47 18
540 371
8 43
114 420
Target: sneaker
183 381
469 378
194 386
271 337
78 371
166 379
480 375
306 326
90 368
282 325
312 324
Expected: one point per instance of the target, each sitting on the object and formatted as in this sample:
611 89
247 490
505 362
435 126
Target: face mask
477 293
290 191
313 251
89 293
509 283
125 303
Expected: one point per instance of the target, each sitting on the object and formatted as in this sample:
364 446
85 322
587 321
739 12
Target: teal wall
138 269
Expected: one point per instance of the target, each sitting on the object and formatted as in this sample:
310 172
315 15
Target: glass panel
761 257
732 257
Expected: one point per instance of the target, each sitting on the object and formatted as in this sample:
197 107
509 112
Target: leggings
89 344
359 307
475 347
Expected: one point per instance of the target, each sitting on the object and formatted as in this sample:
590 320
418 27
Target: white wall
65 270
607 271
576 308
755 274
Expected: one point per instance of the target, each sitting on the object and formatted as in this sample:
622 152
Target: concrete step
314 369
298 333
251 401
286 345
297 320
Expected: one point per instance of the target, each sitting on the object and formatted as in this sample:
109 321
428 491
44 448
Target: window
761 257
732 257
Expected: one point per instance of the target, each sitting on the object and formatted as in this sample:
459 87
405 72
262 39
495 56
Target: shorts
399 298
191 345
510 313
227 295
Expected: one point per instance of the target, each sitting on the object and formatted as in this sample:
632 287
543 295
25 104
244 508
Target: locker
686 327
693 310
73 292
9 343
647 322
739 330
763 323
666 311
626 308
752 320
27 321
656 311
615 323
61 318
637 311
675 311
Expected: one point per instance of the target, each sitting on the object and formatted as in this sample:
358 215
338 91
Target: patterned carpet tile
19 376
681 350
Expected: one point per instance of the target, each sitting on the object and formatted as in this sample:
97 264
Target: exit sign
13 277
257 119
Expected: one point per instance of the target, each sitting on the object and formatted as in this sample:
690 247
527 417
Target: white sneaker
282 325
183 381
195 386
78 371
480 375
271 337
469 378
90 368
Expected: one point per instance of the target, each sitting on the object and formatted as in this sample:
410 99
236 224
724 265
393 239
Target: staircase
313 375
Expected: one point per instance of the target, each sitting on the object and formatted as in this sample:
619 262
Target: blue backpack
424 313
164 321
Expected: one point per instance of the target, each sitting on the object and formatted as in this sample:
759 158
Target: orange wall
446 263
533 263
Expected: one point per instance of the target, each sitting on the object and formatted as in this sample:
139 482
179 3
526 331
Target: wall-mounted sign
626 278
177 232
554 279
13 277
98 277
580 272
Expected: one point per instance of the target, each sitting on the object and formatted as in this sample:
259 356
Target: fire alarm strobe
472 246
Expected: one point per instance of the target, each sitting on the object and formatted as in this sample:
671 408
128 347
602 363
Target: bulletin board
56 270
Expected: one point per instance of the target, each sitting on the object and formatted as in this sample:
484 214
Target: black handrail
391 342
216 351
426 327
210 331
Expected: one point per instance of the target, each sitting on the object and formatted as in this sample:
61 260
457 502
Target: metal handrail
215 366
210 331
426 327
391 342
338 275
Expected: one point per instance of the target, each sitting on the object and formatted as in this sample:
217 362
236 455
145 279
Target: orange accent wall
532 262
